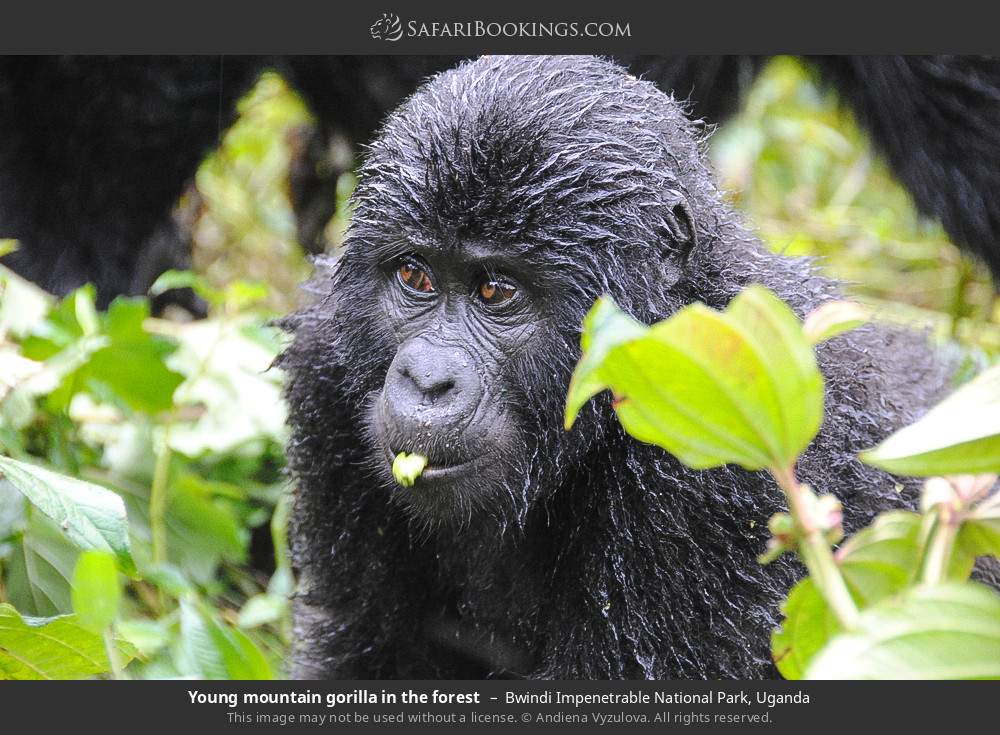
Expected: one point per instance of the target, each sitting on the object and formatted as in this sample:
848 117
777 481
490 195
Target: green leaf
980 538
833 318
604 328
40 565
169 579
211 650
242 293
110 354
147 636
885 557
979 534
12 516
51 648
961 435
96 592
261 609
187 279
22 304
877 562
406 468
740 386
807 626
72 319
133 364
949 631
174 279
228 376
91 516
202 529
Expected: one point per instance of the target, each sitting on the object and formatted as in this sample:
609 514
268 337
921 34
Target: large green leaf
51 648
882 558
91 516
961 435
948 631
740 386
203 530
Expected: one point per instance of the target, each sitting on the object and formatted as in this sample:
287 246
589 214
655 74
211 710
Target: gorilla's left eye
495 291
412 275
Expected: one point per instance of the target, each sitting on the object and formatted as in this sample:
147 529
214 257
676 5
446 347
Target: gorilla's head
495 206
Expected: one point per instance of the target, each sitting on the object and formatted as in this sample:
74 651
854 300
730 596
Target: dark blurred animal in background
492 210
95 152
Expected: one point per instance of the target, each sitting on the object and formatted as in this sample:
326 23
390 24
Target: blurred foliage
182 420
803 171
183 423
244 225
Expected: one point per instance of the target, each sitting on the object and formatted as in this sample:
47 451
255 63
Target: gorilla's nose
432 383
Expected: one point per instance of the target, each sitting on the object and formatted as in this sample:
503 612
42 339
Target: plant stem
942 539
161 471
158 498
815 551
113 658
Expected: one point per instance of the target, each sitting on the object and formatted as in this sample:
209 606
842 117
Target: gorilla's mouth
436 469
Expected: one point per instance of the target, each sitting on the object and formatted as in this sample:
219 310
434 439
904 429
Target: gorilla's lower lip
434 472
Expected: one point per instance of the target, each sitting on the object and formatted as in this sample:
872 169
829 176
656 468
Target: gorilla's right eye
414 277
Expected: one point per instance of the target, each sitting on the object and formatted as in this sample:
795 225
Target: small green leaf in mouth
406 468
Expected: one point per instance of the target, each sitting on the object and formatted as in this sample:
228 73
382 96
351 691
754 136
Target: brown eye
413 276
494 292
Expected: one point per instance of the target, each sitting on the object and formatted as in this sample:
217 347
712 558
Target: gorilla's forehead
531 260
466 251
531 149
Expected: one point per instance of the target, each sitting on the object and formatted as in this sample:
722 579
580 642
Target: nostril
430 385
440 389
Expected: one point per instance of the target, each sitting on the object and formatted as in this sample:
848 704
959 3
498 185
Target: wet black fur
606 558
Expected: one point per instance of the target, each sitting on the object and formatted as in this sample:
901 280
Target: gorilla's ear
679 223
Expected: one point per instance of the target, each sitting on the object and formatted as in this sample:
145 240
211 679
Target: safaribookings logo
390 28
387 28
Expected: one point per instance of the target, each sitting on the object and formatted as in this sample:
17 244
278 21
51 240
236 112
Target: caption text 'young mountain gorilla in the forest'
497 204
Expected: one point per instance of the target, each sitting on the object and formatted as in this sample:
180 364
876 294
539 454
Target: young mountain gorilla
497 204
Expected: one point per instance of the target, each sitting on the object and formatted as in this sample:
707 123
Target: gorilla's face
496 205
463 317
